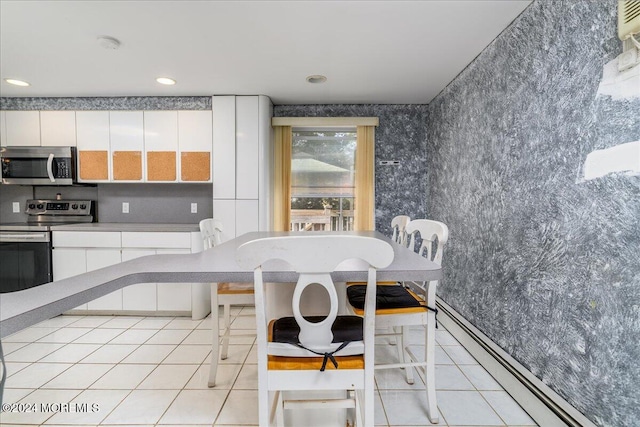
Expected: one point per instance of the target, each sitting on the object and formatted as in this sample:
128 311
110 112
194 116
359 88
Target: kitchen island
25 308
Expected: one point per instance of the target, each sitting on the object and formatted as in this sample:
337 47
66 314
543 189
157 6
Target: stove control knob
32 206
40 206
83 206
74 206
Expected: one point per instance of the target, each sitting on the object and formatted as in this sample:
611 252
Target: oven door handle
50 168
24 237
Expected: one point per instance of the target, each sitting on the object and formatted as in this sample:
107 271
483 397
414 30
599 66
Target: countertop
21 309
121 226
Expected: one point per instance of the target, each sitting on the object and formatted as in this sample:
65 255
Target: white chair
289 347
225 294
398 307
398 225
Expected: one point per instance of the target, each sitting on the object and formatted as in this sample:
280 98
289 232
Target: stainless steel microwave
38 165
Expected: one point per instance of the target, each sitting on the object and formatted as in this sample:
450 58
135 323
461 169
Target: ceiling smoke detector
316 78
107 42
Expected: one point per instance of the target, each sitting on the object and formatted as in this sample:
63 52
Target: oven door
26 260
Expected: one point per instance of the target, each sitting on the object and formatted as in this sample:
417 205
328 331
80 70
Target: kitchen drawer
156 240
86 239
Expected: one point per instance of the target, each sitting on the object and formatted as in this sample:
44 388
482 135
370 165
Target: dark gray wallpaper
544 263
400 136
110 103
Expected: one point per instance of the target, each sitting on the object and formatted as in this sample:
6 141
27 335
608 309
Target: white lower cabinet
143 296
174 296
77 252
68 262
99 258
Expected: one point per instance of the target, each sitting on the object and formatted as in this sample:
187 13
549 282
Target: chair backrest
430 231
398 225
210 230
314 257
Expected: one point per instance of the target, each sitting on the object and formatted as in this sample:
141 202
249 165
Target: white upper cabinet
195 144
23 128
224 147
127 146
93 141
161 145
58 128
247 147
3 128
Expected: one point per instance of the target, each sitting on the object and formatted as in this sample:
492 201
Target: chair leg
430 371
358 395
227 331
263 407
278 408
215 344
408 370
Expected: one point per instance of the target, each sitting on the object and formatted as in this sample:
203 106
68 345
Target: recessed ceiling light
108 42
316 78
17 82
165 81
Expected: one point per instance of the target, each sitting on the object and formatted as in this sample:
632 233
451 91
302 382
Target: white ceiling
383 52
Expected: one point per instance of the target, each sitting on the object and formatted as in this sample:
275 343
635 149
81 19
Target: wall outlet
194 208
16 207
125 207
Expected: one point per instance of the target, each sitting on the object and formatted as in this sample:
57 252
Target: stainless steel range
25 248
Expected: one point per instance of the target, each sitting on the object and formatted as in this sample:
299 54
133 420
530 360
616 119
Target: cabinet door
225 211
99 258
195 144
247 216
92 130
142 296
174 296
3 128
68 263
247 147
23 128
126 129
224 147
161 145
151 239
58 128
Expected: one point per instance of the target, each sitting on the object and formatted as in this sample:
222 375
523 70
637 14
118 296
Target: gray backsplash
546 264
148 203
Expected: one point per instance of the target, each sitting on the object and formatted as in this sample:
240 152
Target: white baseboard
542 404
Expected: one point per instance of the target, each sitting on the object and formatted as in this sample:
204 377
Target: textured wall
401 136
111 103
547 265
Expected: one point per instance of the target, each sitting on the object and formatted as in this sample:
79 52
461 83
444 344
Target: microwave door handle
50 168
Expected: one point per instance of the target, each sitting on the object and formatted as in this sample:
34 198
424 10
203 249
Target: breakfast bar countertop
21 309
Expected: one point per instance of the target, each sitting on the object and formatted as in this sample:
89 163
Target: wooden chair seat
283 363
235 288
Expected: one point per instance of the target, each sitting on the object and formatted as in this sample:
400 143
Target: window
323 173
322 179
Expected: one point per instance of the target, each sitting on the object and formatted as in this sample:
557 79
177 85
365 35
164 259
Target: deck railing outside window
335 215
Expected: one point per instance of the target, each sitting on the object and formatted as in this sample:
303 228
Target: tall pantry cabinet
242 159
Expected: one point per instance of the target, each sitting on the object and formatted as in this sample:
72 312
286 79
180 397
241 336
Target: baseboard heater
545 406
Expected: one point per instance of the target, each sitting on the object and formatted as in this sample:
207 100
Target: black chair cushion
387 296
344 328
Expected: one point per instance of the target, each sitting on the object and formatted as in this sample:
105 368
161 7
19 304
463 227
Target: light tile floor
150 371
